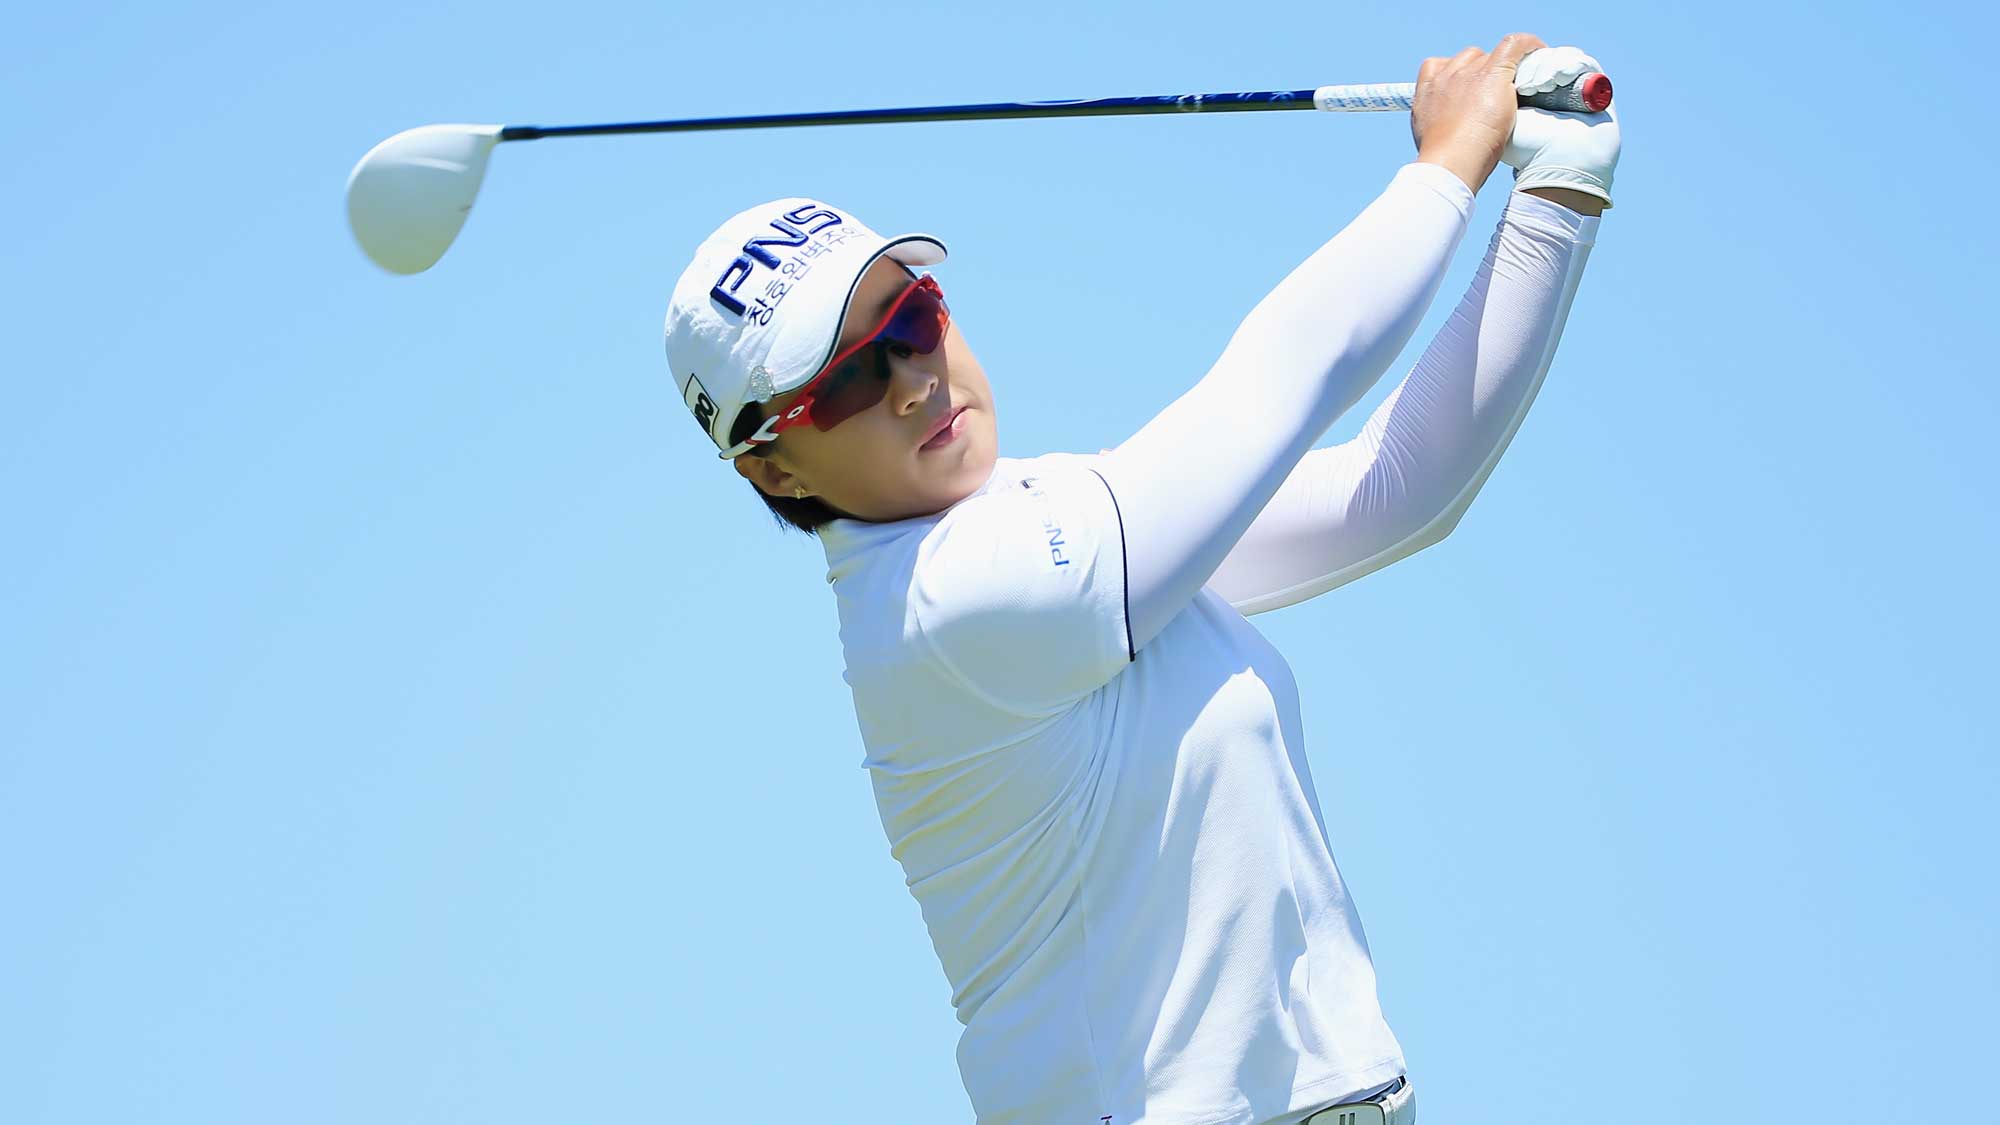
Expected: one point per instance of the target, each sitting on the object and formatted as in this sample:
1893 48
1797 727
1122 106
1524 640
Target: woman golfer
1088 763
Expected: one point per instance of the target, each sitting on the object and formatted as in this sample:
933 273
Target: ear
771 478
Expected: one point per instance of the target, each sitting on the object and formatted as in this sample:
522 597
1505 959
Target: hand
1465 106
1567 151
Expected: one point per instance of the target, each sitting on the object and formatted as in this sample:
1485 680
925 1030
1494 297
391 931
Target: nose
911 384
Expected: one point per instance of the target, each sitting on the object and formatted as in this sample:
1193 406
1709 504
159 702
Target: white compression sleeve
1190 482
1405 481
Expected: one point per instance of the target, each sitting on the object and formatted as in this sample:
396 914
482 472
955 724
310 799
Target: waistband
1395 1105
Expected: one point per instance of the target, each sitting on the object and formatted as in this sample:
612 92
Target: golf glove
1577 151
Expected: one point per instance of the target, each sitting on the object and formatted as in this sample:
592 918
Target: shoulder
1028 479
1017 593
1024 503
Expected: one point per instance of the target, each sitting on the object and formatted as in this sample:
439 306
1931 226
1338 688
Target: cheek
859 455
960 359
965 369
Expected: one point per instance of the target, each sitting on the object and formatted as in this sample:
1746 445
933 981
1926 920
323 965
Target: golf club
408 198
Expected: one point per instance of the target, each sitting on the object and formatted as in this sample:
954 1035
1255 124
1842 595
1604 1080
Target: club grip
1589 94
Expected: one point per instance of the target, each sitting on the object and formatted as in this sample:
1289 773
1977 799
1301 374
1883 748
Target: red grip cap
1596 91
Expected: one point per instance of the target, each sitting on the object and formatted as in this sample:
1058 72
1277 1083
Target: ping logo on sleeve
1052 532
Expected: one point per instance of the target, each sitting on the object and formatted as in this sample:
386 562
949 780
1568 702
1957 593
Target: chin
947 483
965 479
982 450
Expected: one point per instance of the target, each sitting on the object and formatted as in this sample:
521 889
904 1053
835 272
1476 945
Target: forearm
1403 483
1194 478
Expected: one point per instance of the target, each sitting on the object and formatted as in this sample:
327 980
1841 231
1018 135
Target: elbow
1424 526
1429 533
1429 503
1404 503
1312 342
1437 528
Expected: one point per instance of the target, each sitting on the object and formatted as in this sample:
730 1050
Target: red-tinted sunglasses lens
859 379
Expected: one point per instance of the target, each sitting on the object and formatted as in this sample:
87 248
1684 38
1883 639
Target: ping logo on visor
793 227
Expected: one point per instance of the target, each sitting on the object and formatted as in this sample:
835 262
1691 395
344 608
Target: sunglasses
858 377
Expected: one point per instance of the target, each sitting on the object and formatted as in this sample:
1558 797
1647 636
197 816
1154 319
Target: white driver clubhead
408 198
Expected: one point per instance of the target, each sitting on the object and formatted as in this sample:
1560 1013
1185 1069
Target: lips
940 432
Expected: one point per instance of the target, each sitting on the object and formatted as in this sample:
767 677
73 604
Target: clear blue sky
406 719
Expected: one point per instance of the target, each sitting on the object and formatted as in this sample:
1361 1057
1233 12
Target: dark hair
806 514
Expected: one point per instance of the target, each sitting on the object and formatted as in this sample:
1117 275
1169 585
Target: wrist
1471 168
1576 201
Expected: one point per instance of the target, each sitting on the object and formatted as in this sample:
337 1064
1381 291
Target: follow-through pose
1087 761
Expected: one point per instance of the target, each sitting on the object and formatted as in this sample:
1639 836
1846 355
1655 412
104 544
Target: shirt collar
847 540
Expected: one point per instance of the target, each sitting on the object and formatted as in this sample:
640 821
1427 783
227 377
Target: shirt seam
1124 567
964 681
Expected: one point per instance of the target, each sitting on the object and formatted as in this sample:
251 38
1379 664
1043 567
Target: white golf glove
1577 151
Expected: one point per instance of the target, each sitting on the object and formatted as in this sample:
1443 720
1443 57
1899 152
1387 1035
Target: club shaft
1380 97
992 111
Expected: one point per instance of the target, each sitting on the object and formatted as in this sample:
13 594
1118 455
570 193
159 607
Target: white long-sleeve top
1091 766
1232 451
1405 481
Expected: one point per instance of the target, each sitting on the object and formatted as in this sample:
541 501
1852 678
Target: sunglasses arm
798 415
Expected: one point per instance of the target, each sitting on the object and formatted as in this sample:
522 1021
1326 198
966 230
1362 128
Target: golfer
1088 763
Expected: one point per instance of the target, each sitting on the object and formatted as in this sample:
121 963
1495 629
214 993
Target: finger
1469 55
1546 68
1428 71
1512 49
